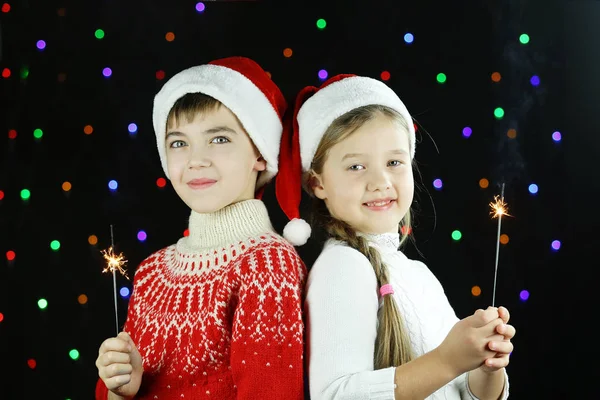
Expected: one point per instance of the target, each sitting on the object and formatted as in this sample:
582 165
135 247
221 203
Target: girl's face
367 178
212 162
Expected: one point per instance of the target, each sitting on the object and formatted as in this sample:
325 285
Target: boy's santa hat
315 109
243 87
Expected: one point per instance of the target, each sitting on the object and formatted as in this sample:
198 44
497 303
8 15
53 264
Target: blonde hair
392 346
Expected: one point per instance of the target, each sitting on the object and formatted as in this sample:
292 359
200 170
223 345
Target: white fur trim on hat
336 99
238 93
297 231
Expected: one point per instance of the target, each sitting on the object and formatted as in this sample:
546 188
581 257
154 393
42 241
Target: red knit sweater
219 314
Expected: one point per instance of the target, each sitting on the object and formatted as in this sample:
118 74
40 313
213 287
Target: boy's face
212 162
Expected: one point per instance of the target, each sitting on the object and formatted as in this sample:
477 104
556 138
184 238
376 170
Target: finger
484 317
114 344
497 362
117 381
508 331
501 346
113 357
125 336
504 314
114 370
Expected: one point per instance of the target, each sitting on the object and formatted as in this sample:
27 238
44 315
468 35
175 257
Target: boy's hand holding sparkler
120 366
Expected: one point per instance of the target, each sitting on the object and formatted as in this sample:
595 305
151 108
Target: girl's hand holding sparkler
466 347
120 366
500 342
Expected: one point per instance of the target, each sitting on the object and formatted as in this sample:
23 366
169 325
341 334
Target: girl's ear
315 182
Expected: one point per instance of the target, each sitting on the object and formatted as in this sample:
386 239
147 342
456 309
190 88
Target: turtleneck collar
387 242
229 225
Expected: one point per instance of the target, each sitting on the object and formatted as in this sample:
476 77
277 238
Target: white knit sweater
342 303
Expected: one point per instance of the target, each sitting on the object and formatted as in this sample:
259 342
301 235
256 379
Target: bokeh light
74 354
409 38
385 76
556 136
66 186
55 245
142 236
124 292
499 113
160 75
38 133
535 80
170 36
42 304
12 134
31 363
484 183
1 194
512 133
504 238
524 295
82 299
93 240
323 74
41 45
496 77
200 7
437 183
467 132
555 245
287 52
186 232
161 182
99 34
524 38
1 317
476 291
25 194
6 73
321 23
441 77
533 188
456 235
5 8
107 72
113 185
132 128
88 129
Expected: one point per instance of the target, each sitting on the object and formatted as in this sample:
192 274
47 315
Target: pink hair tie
386 289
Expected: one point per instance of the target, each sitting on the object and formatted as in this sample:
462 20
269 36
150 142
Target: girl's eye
356 167
220 140
395 163
177 143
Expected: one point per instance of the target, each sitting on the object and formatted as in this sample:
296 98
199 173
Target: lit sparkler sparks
114 263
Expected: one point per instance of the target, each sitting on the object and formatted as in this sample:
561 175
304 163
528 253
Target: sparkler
499 208
114 263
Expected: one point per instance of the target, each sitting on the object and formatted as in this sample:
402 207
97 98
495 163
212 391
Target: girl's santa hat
243 87
315 109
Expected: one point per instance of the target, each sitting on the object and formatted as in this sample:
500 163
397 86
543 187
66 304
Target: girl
379 325
217 315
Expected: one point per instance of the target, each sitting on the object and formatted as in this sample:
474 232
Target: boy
218 314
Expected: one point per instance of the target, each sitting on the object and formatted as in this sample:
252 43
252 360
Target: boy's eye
356 167
177 143
220 140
